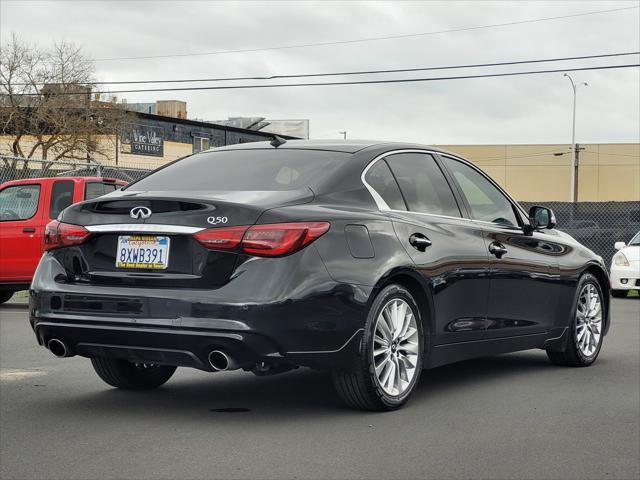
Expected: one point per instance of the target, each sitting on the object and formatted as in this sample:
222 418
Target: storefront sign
144 140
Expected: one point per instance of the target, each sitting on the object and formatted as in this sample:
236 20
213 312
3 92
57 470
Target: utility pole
576 150
344 135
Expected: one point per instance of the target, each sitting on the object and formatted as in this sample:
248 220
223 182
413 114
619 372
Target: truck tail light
270 240
58 234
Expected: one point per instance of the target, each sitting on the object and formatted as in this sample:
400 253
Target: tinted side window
487 203
61 197
97 189
19 202
380 178
423 184
94 190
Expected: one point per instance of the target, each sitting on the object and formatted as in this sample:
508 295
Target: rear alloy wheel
131 376
586 327
389 363
5 296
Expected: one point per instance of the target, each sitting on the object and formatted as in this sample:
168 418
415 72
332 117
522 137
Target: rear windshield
237 170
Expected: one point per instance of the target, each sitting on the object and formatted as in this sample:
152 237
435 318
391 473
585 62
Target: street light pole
575 150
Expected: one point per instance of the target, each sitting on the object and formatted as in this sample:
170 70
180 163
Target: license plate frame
143 252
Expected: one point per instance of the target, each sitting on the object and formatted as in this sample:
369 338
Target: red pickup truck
26 206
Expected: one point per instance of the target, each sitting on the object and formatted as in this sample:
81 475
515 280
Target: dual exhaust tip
58 348
220 361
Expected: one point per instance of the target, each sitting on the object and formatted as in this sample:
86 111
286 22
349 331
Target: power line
354 82
362 40
534 154
363 72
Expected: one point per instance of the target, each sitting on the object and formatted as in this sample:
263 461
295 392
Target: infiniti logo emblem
140 212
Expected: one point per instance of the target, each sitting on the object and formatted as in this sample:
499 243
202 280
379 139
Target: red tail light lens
58 235
271 240
280 239
221 238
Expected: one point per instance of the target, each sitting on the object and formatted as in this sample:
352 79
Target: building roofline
197 123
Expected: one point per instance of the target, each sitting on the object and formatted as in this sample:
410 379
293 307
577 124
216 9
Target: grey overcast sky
529 109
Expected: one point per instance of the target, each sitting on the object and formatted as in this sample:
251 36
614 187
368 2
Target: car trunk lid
162 225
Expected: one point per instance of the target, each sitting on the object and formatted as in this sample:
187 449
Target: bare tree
46 105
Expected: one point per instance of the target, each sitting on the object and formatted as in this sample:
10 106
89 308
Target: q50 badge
217 220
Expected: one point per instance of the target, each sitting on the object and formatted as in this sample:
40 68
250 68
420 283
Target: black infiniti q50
371 260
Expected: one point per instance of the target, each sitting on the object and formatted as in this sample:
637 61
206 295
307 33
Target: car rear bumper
297 318
185 347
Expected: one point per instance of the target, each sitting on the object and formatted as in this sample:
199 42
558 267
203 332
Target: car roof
346 146
26 181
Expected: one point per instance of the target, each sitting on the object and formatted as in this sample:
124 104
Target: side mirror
619 245
542 217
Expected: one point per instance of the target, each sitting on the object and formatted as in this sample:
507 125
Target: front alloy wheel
586 328
388 366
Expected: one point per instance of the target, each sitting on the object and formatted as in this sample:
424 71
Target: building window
200 144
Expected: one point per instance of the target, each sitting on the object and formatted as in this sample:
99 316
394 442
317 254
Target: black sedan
371 260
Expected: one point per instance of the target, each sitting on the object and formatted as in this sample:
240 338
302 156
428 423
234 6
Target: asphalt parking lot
509 416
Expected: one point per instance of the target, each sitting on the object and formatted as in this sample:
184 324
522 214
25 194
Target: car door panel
524 273
22 239
455 266
523 295
446 249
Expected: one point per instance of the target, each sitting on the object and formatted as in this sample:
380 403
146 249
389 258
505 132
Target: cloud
533 109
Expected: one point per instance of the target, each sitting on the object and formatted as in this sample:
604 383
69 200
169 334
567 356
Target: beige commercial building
542 172
534 173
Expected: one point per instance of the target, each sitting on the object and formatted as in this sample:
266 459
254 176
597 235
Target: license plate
148 252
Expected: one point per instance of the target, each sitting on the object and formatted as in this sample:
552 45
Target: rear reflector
58 234
271 240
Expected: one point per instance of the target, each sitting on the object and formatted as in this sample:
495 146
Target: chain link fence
16 168
598 225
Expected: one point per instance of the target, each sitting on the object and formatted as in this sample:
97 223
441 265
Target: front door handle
419 242
497 249
29 230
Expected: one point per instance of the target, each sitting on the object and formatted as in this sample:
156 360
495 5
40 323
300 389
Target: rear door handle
419 242
497 249
29 230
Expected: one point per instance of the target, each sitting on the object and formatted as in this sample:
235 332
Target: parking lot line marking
11 375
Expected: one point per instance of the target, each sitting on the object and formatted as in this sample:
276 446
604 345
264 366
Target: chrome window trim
142 227
430 214
382 205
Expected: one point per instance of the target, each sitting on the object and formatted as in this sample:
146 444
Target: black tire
5 296
359 388
619 293
572 356
131 376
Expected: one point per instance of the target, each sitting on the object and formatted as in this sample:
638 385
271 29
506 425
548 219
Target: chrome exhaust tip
220 361
58 348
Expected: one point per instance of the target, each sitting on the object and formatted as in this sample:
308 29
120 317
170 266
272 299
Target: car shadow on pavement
14 306
284 396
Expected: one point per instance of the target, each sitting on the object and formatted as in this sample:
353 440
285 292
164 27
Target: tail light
58 235
221 238
271 240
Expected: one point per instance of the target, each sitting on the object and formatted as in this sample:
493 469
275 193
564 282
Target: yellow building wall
607 171
110 152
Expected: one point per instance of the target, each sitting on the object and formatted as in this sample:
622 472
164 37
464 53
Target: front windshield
635 240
